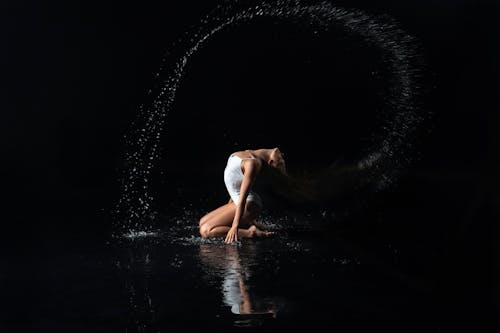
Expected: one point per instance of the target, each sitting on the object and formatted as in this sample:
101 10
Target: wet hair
315 189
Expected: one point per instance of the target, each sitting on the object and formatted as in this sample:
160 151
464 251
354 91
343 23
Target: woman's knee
205 230
207 217
203 220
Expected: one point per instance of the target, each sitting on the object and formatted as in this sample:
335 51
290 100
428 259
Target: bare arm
249 175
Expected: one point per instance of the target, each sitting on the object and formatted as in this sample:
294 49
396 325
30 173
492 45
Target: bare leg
251 232
261 233
221 231
215 212
223 217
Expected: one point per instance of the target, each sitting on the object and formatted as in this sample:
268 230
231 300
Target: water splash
391 151
140 234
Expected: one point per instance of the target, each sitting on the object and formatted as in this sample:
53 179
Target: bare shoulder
244 154
251 165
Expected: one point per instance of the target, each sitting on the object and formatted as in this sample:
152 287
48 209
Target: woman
236 219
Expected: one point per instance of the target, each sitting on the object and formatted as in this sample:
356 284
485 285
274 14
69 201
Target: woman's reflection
233 267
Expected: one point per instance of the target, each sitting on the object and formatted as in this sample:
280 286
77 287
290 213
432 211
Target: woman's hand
232 235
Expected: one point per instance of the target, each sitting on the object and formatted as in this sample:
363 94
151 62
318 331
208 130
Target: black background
75 72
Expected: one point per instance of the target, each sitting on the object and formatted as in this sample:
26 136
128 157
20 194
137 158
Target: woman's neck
263 154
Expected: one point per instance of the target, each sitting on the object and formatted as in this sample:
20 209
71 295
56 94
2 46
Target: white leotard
233 176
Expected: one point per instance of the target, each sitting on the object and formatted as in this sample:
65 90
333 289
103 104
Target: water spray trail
390 152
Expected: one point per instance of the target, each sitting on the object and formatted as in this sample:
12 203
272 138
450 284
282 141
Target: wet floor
173 279
316 271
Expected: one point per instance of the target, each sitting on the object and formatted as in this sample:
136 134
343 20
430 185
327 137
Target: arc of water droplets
386 157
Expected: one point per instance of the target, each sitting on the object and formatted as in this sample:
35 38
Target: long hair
317 189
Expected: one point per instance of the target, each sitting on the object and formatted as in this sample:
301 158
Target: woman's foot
256 232
260 225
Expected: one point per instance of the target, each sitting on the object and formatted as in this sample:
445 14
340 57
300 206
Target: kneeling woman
236 219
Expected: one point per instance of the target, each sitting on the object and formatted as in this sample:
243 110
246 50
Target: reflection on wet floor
251 309
397 273
299 275
169 279
252 283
